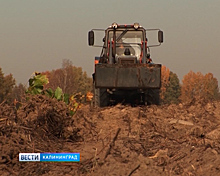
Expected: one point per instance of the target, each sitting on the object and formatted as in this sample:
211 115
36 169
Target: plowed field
120 140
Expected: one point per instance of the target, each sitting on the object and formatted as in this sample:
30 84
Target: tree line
194 87
72 80
69 78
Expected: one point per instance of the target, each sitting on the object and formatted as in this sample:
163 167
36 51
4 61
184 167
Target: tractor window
127 39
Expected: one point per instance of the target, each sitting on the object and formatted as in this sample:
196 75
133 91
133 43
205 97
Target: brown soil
119 140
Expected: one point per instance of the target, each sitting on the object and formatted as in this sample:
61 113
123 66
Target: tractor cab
125 44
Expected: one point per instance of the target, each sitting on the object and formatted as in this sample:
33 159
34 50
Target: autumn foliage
7 83
69 78
196 86
170 88
165 74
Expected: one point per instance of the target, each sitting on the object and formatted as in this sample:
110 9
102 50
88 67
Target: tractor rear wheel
152 96
101 97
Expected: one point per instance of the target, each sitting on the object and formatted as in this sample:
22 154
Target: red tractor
124 72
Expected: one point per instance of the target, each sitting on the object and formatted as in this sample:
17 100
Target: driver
123 48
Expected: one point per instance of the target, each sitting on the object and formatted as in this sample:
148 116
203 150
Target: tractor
124 72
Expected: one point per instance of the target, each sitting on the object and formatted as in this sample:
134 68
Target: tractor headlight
136 25
114 25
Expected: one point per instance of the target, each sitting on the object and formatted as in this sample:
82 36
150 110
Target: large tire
101 97
152 96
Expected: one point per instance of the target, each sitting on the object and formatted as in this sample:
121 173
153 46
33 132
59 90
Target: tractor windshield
127 39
